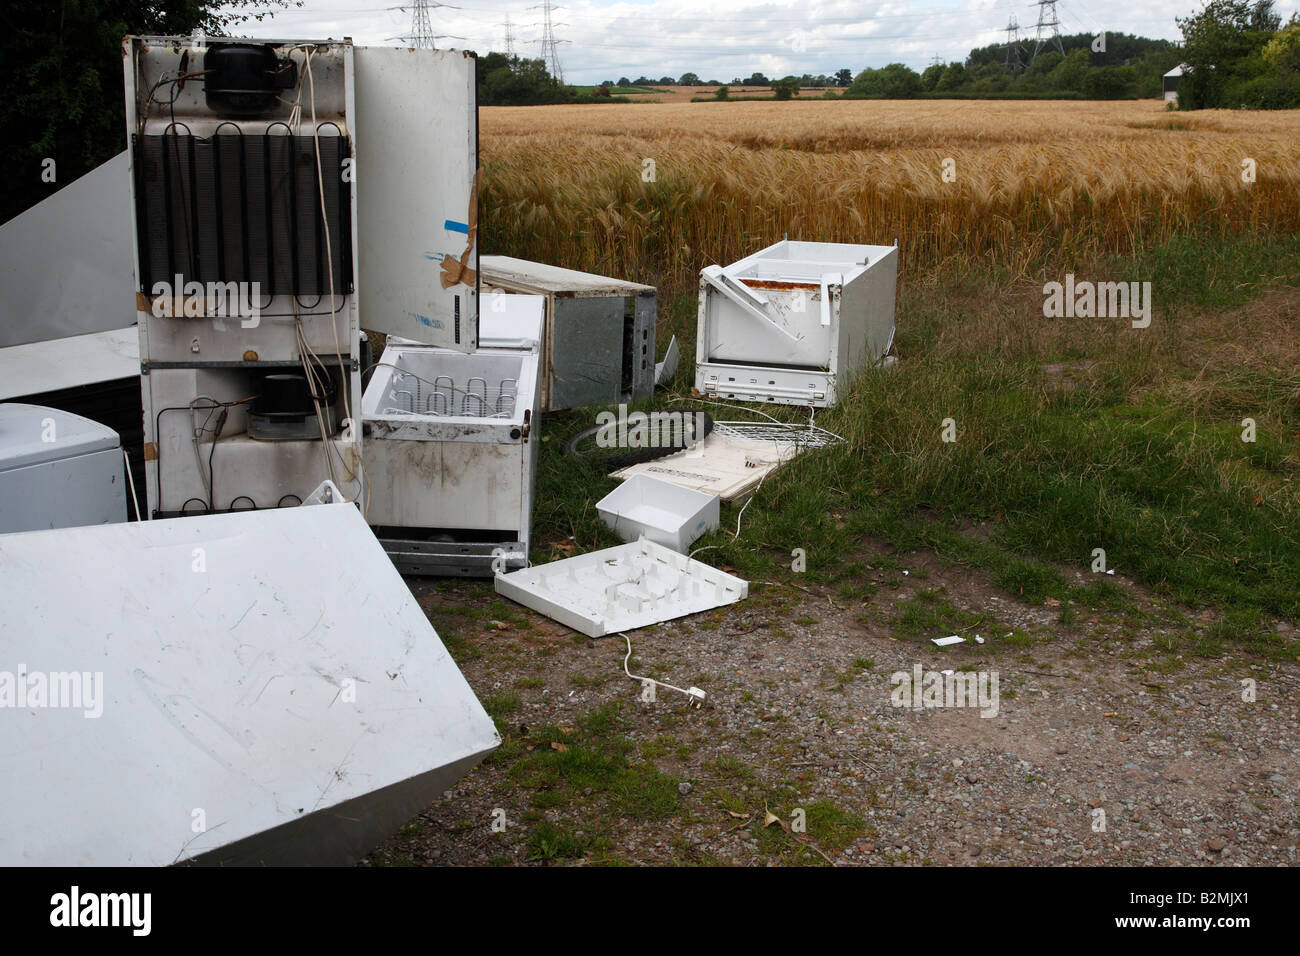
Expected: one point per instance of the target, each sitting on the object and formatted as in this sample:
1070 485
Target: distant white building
1171 81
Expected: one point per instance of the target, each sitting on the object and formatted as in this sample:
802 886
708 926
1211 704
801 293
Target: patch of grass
597 757
831 825
499 707
729 767
1139 454
549 843
926 613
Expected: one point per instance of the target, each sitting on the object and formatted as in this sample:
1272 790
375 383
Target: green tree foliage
513 81
1239 56
785 88
895 81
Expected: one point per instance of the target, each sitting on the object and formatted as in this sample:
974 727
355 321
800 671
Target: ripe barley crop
1033 183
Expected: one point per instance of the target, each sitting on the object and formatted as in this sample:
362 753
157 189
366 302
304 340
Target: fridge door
416 194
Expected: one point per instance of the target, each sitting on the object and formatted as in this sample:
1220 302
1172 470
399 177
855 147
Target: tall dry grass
1036 183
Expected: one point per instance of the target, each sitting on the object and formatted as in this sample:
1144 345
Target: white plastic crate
666 513
793 323
621 589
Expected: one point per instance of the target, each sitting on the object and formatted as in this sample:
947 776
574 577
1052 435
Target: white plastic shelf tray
621 589
664 512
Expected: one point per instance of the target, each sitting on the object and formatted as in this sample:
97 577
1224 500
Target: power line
1047 18
422 36
509 38
547 44
1014 62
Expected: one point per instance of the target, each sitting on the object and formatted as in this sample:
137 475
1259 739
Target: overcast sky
722 39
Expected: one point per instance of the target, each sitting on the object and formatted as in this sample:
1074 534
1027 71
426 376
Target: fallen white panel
621 589
262 689
40 367
664 512
66 264
665 370
945 641
734 458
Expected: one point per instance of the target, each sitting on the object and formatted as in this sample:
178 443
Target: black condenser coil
246 207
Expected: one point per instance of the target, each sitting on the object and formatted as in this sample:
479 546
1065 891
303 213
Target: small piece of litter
904 573
950 639
1111 571
978 639
949 673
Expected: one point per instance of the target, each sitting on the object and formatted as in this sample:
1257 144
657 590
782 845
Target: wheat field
1028 183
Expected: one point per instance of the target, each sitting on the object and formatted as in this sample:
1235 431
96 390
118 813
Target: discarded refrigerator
793 323
58 470
599 342
259 256
451 446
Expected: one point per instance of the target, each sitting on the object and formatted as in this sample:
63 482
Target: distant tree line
1121 67
1237 53
841 78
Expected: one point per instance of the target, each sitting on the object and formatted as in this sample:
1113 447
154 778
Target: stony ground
1117 740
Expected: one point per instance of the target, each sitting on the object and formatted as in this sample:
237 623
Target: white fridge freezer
451 446
793 323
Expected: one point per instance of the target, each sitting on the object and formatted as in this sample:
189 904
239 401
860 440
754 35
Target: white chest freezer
793 323
451 446
58 470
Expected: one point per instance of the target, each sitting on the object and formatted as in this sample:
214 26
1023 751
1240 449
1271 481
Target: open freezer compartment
451 448
794 322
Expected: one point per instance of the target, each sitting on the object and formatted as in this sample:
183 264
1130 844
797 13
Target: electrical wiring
329 247
695 694
319 395
157 426
295 120
131 482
